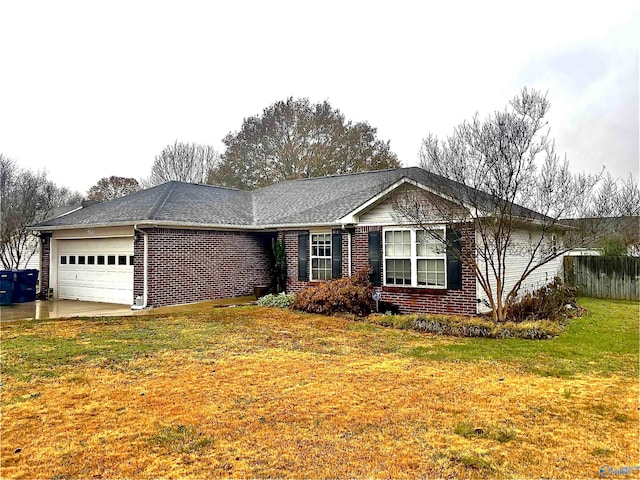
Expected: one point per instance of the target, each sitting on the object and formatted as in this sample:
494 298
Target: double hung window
415 258
320 256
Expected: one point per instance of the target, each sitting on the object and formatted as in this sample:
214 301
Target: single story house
179 243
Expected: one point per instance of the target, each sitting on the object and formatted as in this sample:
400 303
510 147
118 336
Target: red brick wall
291 244
409 300
421 300
45 262
188 266
345 253
291 247
138 265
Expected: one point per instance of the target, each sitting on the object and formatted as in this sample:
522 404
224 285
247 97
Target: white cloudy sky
93 89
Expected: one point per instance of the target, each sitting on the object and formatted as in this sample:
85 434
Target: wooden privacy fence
617 278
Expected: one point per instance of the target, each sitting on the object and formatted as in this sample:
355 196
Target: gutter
189 225
145 288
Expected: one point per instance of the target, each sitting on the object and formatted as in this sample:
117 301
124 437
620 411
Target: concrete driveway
43 309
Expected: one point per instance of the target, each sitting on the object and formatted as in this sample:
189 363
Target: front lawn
257 392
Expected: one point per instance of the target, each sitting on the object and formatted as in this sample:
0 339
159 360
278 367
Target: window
130 259
320 256
91 260
111 260
63 259
431 258
397 252
122 259
415 258
100 259
72 259
81 259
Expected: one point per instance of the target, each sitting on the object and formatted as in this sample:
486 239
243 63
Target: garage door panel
81 277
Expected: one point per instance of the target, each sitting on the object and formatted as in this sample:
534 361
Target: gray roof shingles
172 202
312 201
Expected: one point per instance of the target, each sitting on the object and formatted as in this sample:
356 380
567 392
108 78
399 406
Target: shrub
460 326
282 300
344 295
279 266
556 301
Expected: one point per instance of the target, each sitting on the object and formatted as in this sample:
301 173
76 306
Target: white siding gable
383 213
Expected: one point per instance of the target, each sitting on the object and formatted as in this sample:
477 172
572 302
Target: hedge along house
181 243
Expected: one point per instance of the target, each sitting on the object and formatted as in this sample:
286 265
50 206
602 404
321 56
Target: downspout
145 269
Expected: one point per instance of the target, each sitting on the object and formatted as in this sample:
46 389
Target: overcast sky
91 89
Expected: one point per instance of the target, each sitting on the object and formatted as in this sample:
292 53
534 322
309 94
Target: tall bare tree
619 199
26 198
503 175
184 162
297 139
112 187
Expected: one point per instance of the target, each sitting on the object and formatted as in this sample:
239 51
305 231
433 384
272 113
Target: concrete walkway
44 309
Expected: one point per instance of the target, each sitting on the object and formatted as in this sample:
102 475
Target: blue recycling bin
7 278
24 288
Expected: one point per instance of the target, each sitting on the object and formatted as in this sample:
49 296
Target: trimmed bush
344 295
460 326
282 300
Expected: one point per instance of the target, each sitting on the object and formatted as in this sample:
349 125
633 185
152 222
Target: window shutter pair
303 255
454 264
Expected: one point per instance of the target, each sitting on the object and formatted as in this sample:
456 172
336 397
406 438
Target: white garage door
96 270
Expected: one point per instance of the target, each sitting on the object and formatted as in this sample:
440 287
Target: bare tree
617 200
184 162
620 201
112 187
26 198
506 193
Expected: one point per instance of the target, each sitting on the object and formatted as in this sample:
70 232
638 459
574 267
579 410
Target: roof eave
190 225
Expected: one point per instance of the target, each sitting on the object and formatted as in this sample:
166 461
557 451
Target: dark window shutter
454 264
375 250
303 257
336 254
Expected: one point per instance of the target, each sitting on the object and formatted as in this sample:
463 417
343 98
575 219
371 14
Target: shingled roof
175 203
309 201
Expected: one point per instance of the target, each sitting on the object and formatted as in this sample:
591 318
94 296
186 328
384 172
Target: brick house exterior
213 264
181 243
407 299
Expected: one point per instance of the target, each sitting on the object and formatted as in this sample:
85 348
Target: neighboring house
625 230
181 243
33 262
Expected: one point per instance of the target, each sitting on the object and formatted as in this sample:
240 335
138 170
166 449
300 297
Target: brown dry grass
284 395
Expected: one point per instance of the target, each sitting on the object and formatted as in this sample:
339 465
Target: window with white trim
415 258
397 253
320 256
